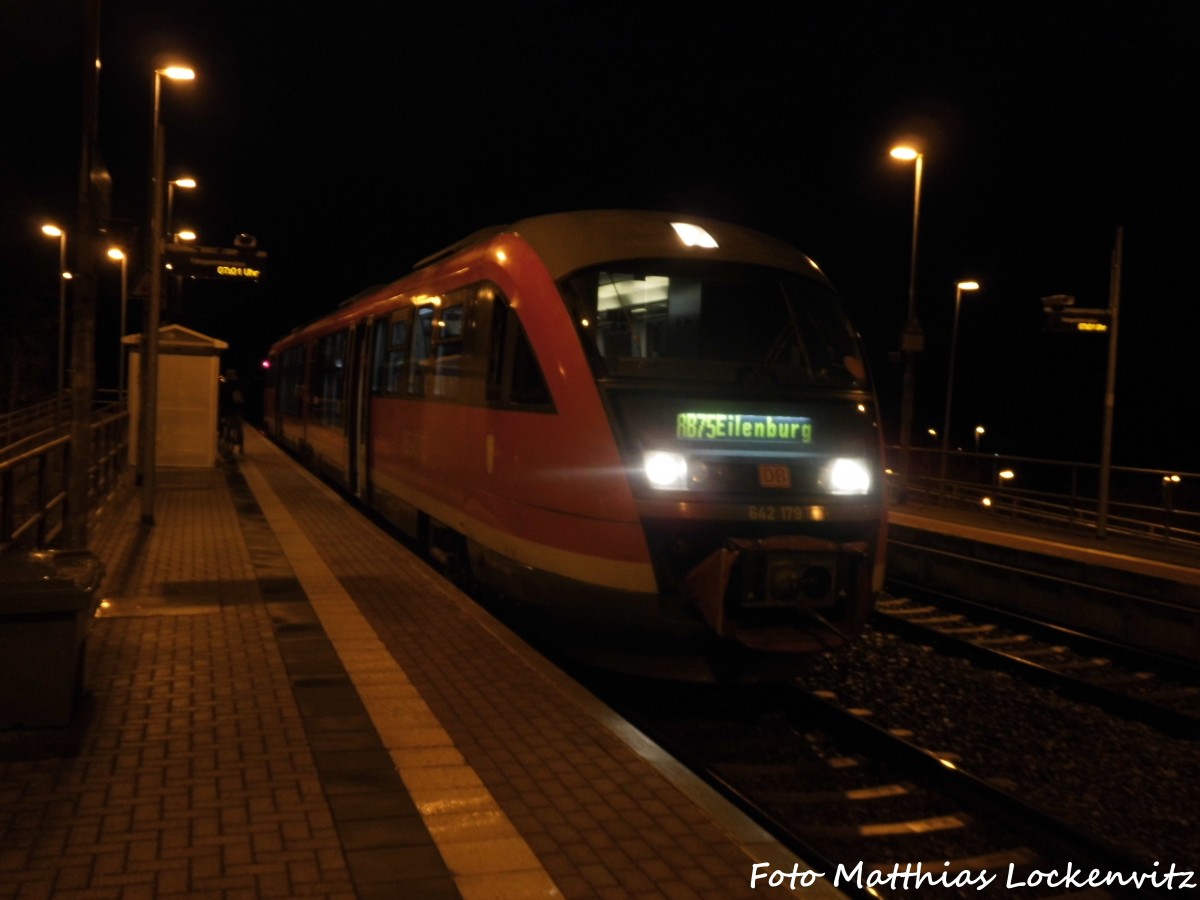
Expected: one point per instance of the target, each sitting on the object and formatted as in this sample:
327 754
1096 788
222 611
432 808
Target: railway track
867 805
1126 682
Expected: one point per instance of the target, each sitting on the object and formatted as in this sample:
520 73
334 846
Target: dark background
352 139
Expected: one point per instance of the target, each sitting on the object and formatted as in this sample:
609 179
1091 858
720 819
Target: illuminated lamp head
665 469
694 235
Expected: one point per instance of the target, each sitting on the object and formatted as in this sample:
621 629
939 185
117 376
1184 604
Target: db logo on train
774 476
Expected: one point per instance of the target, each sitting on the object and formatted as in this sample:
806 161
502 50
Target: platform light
911 339
53 231
116 254
958 292
187 184
148 395
694 235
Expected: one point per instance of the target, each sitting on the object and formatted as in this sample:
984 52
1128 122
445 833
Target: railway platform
281 701
1174 561
1139 593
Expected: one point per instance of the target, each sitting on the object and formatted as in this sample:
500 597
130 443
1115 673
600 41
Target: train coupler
784 594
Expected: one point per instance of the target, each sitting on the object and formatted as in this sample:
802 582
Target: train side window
329 379
514 378
527 387
422 349
291 380
391 352
447 351
379 354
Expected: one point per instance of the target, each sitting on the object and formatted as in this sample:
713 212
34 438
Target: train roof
569 241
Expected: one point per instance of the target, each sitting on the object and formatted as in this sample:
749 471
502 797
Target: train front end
739 397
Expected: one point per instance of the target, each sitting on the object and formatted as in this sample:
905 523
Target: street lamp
148 426
185 183
911 341
980 431
958 292
55 232
116 253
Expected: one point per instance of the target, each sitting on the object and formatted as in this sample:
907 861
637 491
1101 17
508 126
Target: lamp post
1110 387
116 253
980 431
185 183
958 292
148 425
912 340
55 232
175 289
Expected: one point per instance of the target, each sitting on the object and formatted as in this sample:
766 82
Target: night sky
353 140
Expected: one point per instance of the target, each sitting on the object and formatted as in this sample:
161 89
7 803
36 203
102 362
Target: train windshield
719 322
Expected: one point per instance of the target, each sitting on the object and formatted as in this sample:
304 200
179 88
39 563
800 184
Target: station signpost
242 262
1061 314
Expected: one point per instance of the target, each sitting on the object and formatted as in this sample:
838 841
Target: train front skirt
787 594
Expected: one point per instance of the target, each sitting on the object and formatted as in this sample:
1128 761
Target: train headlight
848 476
665 470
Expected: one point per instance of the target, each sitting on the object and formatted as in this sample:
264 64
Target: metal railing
29 422
34 471
1154 505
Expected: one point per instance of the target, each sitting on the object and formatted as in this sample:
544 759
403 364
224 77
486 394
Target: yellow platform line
482 849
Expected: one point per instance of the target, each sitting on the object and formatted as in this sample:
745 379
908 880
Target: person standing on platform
231 402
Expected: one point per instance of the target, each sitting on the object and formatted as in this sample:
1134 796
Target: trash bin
47 603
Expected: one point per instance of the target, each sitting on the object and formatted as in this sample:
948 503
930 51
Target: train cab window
673 319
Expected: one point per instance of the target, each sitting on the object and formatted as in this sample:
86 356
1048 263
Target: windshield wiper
791 330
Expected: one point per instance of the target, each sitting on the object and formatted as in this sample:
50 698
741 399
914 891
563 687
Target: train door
359 397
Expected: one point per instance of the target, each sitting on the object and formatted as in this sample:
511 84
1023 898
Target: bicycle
229 436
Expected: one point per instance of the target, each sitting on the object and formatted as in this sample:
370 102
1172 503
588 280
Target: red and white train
656 431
